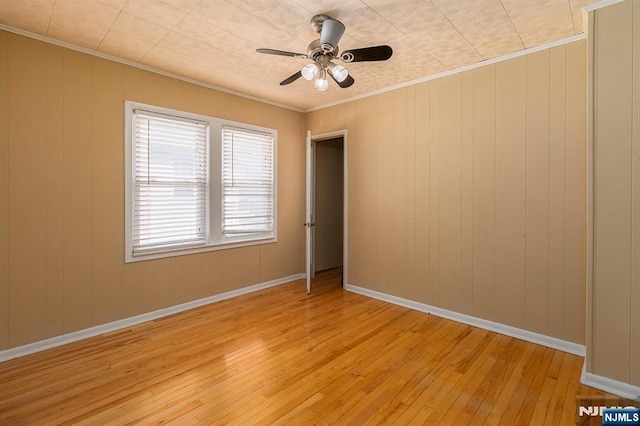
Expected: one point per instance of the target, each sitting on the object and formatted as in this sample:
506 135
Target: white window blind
170 182
247 182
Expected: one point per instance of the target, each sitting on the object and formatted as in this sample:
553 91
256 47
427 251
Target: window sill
130 257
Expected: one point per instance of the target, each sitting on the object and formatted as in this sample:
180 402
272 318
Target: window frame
215 239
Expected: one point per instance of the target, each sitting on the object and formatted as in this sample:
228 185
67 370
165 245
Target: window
247 182
196 183
170 182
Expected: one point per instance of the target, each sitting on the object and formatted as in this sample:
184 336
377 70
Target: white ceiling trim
140 66
600 5
460 69
519 53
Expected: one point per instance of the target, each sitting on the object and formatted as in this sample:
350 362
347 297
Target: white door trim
307 225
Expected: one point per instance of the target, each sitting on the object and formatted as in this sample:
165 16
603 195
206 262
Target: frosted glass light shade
340 73
321 82
309 71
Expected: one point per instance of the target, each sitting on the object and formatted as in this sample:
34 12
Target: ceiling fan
324 51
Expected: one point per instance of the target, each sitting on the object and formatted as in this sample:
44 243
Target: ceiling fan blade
281 53
347 82
331 33
367 54
291 79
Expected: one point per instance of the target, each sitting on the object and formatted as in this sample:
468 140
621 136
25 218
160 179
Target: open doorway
326 191
328 204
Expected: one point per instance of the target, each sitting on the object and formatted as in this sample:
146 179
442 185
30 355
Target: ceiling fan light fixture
339 72
309 71
322 84
324 50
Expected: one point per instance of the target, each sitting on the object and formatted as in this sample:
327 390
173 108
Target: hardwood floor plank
280 356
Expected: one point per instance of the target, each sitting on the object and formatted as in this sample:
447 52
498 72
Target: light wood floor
281 356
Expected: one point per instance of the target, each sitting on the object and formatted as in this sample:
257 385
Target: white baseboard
606 384
138 319
529 336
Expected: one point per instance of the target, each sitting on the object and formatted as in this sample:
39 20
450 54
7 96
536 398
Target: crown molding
454 71
101 55
600 5
458 70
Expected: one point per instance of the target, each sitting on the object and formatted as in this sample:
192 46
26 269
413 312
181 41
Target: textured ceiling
214 41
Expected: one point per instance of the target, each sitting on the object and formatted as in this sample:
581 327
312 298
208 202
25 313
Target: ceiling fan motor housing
317 21
315 51
330 31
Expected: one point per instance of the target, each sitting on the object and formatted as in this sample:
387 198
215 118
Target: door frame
345 193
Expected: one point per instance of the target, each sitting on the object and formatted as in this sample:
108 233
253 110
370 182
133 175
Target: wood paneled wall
62 195
614 349
469 192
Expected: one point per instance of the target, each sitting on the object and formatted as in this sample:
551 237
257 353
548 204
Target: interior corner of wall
585 21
